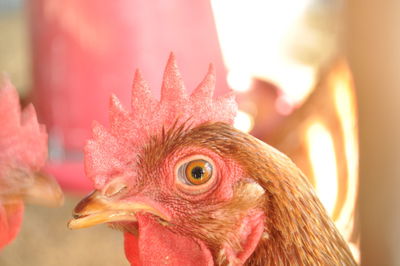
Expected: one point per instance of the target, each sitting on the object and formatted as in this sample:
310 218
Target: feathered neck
298 230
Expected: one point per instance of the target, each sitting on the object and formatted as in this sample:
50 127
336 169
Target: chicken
23 152
186 188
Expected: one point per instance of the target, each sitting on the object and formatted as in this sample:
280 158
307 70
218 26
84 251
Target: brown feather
297 230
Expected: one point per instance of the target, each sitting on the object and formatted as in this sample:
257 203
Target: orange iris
198 172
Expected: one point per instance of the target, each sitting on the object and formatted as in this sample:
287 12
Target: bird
23 154
187 188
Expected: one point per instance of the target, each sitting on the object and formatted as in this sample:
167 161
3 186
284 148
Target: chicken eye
198 172
195 173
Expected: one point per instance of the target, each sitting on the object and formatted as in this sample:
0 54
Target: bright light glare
296 81
323 161
243 122
255 38
238 81
345 104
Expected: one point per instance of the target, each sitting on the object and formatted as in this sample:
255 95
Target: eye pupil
197 172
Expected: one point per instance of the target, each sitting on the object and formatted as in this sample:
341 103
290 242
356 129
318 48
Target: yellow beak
96 209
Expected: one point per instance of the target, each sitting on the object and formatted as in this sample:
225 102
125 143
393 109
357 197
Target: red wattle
10 222
157 245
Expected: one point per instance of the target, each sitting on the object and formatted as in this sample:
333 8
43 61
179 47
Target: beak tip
71 224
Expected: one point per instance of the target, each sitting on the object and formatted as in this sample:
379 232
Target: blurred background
316 79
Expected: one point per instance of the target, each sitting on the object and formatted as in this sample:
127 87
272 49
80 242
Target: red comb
111 150
23 141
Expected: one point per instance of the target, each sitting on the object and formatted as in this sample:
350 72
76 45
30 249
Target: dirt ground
45 240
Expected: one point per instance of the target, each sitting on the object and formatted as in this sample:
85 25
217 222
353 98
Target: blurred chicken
23 152
186 188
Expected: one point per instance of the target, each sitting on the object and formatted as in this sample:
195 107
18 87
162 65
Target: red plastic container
84 50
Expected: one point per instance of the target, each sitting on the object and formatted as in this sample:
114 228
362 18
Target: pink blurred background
284 59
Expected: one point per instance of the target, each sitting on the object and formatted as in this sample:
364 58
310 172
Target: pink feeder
84 50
